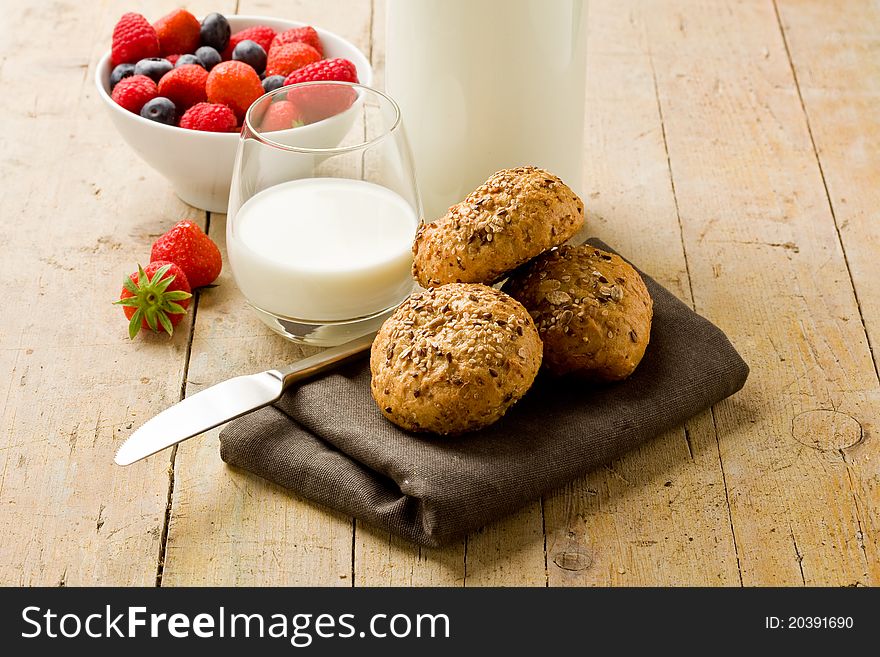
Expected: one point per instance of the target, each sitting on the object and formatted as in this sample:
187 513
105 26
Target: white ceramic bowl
199 164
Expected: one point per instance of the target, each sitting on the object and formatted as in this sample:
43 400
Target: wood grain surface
733 152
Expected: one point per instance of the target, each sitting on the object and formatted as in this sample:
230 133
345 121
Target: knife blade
228 400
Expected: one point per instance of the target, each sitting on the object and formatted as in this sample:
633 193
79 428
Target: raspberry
286 58
134 92
281 116
134 39
209 117
338 69
234 84
173 58
305 34
260 34
178 32
184 86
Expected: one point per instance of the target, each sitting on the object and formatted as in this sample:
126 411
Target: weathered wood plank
766 264
659 515
79 210
229 527
833 52
382 559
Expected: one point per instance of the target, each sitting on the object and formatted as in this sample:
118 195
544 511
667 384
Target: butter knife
228 400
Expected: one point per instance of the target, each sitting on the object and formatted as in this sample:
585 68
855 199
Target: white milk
323 249
487 84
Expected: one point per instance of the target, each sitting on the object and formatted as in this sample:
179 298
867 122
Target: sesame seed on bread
453 359
511 218
592 309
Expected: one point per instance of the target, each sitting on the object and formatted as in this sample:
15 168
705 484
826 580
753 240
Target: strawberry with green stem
155 298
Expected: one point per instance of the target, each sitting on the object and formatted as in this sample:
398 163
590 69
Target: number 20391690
808 622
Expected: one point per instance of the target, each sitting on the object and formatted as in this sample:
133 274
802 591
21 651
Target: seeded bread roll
453 359
511 218
592 310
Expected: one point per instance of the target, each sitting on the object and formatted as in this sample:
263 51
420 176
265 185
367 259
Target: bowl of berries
177 90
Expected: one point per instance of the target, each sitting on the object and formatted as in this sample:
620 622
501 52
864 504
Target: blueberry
160 110
121 71
215 31
251 53
185 60
273 82
154 67
208 56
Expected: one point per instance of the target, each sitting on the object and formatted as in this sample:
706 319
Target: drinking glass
323 209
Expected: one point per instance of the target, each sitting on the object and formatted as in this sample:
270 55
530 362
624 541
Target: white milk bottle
487 84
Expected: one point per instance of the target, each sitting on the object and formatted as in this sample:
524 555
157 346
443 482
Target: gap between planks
363 156
797 86
815 149
163 540
687 269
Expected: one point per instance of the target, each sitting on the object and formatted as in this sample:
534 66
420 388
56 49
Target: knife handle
314 365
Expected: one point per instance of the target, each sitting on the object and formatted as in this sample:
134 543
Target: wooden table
733 150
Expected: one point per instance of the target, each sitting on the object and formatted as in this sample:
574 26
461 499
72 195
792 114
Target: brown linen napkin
328 442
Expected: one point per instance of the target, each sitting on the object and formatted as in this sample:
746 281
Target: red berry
287 58
339 69
178 32
209 117
305 34
173 58
134 39
184 86
234 84
281 116
260 34
187 246
322 101
155 298
134 92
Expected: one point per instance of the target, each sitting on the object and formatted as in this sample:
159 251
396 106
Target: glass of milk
485 85
322 214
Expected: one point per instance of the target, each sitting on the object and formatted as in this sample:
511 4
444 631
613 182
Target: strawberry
184 86
234 84
209 117
281 116
305 34
286 58
260 34
178 32
155 298
134 39
187 246
322 100
134 92
338 69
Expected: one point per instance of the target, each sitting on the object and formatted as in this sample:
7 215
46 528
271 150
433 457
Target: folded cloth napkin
327 441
